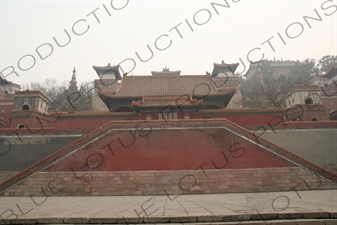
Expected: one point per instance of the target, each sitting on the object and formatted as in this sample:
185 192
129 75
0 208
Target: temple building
167 91
164 129
278 67
8 90
109 79
144 93
304 103
327 84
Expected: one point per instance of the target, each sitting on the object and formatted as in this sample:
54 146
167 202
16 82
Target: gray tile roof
194 85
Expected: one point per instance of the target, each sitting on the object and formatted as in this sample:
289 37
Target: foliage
49 87
263 88
304 71
266 88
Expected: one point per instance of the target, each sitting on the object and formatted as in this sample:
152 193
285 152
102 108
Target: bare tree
326 62
49 87
61 97
263 88
266 89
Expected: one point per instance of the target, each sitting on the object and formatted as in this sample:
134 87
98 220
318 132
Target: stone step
257 222
270 222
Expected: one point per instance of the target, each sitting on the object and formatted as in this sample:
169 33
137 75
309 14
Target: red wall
83 123
330 104
64 122
306 113
180 115
182 148
5 111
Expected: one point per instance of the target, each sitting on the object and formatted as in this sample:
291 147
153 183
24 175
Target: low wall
17 154
318 146
172 183
4 175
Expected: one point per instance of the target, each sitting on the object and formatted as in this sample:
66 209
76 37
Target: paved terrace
302 207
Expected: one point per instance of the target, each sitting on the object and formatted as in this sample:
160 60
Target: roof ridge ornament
166 72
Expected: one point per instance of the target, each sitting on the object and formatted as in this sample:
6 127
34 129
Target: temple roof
138 86
108 70
224 67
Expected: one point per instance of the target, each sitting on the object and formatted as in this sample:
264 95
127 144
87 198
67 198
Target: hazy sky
105 32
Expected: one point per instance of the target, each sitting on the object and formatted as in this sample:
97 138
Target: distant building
30 105
31 101
7 93
328 89
9 88
176 94
109 79
304 104
279 68
303 94
319 81
224 77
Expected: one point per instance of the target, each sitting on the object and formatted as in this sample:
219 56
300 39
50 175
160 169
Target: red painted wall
330 104
169 149
64 122
86 122
5 111
179 115
306 113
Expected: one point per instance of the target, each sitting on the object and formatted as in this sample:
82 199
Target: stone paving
254 208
